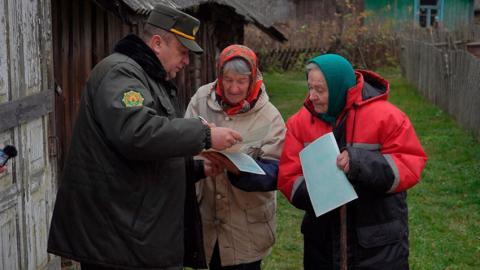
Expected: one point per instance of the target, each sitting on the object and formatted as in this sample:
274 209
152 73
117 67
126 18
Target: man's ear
156 43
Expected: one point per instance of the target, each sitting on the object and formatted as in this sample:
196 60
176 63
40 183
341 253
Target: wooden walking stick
343 237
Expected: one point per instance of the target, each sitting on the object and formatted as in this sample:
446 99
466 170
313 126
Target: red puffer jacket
386 159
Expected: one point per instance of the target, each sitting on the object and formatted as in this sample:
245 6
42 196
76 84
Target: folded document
243 162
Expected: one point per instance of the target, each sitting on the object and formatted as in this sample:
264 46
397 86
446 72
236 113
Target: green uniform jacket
122 195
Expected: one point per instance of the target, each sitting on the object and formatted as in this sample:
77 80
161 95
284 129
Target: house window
428 13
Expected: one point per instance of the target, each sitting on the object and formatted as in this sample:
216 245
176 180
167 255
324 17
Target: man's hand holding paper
233 159
250 137
223 138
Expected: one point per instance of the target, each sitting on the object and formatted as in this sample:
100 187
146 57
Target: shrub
366 45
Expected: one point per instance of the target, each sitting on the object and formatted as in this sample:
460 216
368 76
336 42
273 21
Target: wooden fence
460 35
447 75
368 51
286 59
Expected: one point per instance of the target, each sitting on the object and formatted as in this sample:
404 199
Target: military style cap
181 24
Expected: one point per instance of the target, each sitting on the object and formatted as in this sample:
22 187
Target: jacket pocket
261 226
381 235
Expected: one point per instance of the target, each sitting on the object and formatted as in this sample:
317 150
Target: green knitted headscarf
340 77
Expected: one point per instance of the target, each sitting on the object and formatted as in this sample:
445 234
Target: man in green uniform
126 194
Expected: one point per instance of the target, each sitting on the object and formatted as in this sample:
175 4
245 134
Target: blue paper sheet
244 162
327 185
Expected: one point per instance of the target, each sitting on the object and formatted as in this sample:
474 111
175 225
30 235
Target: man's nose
186 61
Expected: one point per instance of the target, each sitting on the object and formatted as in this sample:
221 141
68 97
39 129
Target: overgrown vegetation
366 45
444 206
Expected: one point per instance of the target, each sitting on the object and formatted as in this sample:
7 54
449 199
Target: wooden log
21 111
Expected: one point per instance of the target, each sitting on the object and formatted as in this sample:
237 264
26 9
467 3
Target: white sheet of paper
243 162
327 185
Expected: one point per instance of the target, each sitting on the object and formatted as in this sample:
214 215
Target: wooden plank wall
220 26
448 77
460 35
28 188
312 9
83 34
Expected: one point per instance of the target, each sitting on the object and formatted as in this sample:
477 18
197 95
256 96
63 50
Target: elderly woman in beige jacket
238 208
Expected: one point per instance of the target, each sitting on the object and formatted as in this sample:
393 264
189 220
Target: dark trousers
314 257
215 263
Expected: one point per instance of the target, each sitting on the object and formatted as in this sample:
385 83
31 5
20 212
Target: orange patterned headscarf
245 53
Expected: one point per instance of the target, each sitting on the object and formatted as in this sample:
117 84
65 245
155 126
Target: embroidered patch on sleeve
132 99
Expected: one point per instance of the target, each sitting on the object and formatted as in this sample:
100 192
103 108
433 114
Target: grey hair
149 31
238 66
311 66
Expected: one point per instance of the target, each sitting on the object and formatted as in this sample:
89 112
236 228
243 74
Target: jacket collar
135 48
370 87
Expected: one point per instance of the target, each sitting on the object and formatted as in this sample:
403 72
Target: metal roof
254 11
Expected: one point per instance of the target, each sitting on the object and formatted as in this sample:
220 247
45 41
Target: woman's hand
343 161
220 161
211 169
3 169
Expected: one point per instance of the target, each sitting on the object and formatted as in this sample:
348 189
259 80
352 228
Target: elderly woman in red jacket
380 154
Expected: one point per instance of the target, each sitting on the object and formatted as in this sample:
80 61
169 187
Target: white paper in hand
327 185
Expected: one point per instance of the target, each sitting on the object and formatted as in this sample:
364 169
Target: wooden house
423 13
28 188
447 14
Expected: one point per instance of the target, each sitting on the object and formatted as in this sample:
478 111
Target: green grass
444 206
287 91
